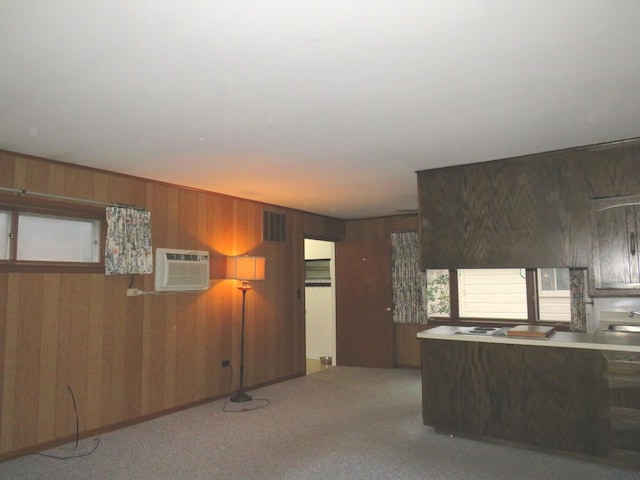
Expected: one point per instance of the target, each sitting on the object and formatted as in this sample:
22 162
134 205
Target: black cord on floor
264 402
75 411
69 457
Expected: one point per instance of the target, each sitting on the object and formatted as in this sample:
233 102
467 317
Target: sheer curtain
128 242
408 282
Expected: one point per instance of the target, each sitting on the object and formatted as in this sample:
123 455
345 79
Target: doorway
320 305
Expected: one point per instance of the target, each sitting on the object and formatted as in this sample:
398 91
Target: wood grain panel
155 369
27 372
10 361
185 349
6 359
200 349
442 217
613 169
20 171
57 180
51 297
541 396
7 169
36 179
78 286
611 242
531 211
5 356
170 349
623 378
407 345
133 330
95 352
64 419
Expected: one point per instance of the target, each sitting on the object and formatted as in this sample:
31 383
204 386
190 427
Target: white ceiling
325 106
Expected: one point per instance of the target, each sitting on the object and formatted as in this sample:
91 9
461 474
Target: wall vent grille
274 227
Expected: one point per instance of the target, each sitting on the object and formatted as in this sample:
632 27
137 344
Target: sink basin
625 328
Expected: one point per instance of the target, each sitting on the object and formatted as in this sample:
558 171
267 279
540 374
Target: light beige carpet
341 423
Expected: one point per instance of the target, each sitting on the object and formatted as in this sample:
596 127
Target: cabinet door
616 246
505 214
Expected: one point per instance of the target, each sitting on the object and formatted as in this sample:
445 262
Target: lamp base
240 397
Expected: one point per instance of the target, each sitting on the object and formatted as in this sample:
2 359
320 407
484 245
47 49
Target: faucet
633 313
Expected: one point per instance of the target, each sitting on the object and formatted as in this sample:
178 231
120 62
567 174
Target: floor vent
274 227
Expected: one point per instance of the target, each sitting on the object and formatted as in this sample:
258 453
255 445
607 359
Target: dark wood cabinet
615 230
525 212
545 397
622 375
575 401
530 211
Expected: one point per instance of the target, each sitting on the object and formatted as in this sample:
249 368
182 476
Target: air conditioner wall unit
181 270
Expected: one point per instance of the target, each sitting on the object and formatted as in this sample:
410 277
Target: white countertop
622 342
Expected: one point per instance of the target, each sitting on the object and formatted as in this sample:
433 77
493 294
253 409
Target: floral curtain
408 282
577 288
128 243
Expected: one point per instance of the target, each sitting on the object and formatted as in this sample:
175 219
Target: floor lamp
244 268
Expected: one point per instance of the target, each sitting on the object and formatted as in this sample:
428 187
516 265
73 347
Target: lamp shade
245 268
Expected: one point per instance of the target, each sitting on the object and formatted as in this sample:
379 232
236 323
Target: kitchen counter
571 393
611 341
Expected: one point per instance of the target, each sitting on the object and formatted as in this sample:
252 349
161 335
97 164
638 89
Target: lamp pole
240 396
244 268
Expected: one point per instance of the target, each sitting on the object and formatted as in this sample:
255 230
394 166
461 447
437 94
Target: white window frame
10 218
5 232
456 312
550 293
491 297
52 230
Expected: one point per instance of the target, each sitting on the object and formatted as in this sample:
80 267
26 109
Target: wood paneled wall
128 358
531 211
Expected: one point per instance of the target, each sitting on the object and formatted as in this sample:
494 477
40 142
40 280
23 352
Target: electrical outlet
133 292
226 363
